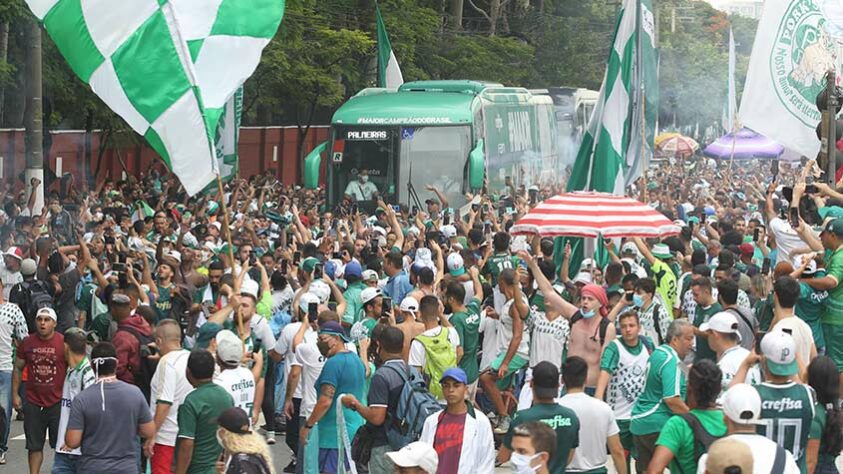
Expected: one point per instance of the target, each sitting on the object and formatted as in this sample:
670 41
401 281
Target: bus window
365 150
437 156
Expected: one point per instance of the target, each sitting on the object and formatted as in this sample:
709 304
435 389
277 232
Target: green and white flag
228 135
619 140
389 74
167 67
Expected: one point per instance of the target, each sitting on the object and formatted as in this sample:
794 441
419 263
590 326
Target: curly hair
822 377
705 379
251 443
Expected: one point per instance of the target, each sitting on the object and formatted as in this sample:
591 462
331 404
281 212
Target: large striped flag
167 67
389 74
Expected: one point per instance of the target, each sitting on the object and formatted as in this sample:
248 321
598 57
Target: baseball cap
629 247
811 269
370 275
455 373
249 287
28 267
229 347
729 456
306 299
353 269
835 227
724 322
309 264
742 404
780 352
456 264
545 380
416 454
583 277
321 290
448 231
368 294
586 263
15 252
47 311
746 249
661 251
334 328
409 305
234 420
120 298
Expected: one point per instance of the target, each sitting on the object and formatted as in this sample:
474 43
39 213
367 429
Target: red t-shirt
448 442
47 367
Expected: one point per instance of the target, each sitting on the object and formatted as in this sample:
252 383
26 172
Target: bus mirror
312 163
476 166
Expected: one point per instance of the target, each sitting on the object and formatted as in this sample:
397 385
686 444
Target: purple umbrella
747 145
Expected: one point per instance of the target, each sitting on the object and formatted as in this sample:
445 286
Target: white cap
583 277
249 287
321 290
409 305
47 311
449 231
586 263
779 352
368 294
229 347
799 260
416 454
370 275
379 230
14 252
629 247
306 299
175 254
724 322
456 264
742 404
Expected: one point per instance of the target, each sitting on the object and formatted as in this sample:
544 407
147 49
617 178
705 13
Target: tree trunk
494 16
455 11
4 56
33 117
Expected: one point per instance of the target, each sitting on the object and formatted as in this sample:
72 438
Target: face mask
637 301
588 314
364 179
324 348
521 463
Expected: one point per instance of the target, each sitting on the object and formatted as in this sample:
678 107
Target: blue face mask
637 301
588 314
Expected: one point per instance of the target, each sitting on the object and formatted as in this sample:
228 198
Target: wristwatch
310 427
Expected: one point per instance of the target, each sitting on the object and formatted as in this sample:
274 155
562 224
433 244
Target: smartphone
119 267
507 180
811 189
332 306
335 255
252 258
374 246
765 266
334 223
386 306
312 311
487 228
628 296
794 217
354 209
756 234
774 169
758 337
317 271
284 266
691 226
415 211
534 196
446 219
296 257
703 216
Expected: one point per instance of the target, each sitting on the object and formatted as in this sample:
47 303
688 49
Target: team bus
458 136
573 107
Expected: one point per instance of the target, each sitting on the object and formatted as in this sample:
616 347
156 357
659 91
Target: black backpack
243 463
604 326
30 296
702 438
143 374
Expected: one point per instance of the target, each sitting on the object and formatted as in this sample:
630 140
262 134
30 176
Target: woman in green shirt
677 445
826 437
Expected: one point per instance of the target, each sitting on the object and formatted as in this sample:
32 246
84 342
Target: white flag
790 57
730 125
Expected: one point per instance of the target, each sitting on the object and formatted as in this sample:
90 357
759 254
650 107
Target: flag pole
225 224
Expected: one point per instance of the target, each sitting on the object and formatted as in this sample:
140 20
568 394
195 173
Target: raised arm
551 298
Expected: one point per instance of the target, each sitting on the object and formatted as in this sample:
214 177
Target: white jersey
548 338
489 328
505 331
729 364
600 423
77 379
240 384
627 381
169 385
307 355
284 347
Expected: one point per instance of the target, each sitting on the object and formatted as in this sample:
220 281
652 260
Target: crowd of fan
392 338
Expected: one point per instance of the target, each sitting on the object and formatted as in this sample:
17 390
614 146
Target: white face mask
521 463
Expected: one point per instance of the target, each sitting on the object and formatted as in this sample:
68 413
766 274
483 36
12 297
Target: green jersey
467 324
353 304
665 379
833 313
564 422
702 315
787 411
809 308
197 420
678 437
817 429
164 302
498 263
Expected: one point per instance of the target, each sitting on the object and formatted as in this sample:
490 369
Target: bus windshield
434 156
372 150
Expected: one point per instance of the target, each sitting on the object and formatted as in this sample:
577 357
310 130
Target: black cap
545 380
235 420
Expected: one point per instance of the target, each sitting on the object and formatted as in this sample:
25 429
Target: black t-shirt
384 391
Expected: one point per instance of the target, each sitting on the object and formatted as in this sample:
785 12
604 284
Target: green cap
615 289
206 333
835 227
833 212
309 264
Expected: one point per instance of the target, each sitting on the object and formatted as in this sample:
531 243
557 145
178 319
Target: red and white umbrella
589 214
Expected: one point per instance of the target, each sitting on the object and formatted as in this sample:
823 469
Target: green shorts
515 365
833 336
625 435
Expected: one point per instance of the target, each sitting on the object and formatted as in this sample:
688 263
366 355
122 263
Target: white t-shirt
307 355
803 338
505 331
417 354
12 326
729 364
9 279
763 454
169 385
240 384
284 347
599 422
548 338
489 328
77 379
787 240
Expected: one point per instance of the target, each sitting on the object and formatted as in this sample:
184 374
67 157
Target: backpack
439 356
243 463
604 326
656 311
143 374
702 438
30 296
415 403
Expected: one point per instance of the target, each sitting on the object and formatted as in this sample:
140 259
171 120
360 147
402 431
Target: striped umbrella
743 145
674 144
589 214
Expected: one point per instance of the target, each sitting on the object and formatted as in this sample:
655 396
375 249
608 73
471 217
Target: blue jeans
65 464
6 405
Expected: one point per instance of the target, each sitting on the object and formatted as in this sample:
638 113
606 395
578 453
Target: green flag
389 74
